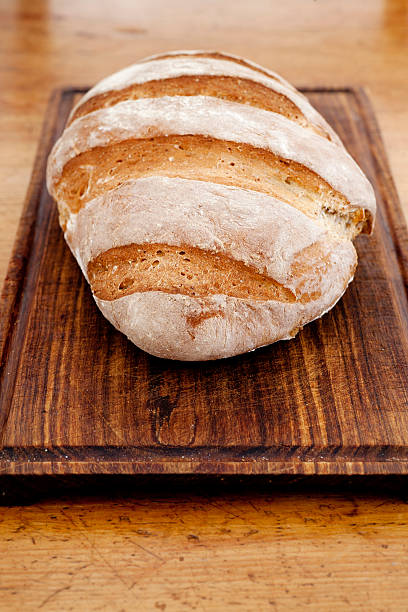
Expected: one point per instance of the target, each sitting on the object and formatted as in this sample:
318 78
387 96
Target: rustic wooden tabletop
205 544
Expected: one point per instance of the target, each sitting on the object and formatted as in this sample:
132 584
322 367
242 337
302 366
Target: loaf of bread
210 207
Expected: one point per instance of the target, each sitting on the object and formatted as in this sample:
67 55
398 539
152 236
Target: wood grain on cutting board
78 397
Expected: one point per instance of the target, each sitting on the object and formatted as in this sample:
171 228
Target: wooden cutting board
77 397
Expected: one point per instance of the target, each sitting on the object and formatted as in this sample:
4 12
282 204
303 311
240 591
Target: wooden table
205 544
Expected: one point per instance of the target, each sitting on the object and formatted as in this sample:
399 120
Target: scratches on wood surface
194 554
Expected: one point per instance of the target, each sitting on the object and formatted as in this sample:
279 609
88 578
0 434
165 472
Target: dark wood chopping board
76 397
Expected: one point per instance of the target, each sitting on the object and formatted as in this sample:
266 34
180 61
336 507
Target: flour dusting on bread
211 208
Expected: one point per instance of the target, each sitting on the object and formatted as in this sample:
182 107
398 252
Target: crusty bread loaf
210 207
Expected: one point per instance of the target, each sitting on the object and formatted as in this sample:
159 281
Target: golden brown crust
222 121
206 224
227 88
102 169
187 270
266 236
182 270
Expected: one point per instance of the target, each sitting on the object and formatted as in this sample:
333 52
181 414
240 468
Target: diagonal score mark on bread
185 270
195 272
219 120
210 207
223 87
217 235
94 172
209 76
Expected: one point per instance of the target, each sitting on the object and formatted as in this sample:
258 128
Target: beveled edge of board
272 461
14 282
234 460
221 468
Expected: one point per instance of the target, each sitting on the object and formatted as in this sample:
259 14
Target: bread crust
258 230
101 169
235 241
218 55
181 269
198 66
263 233
219 119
